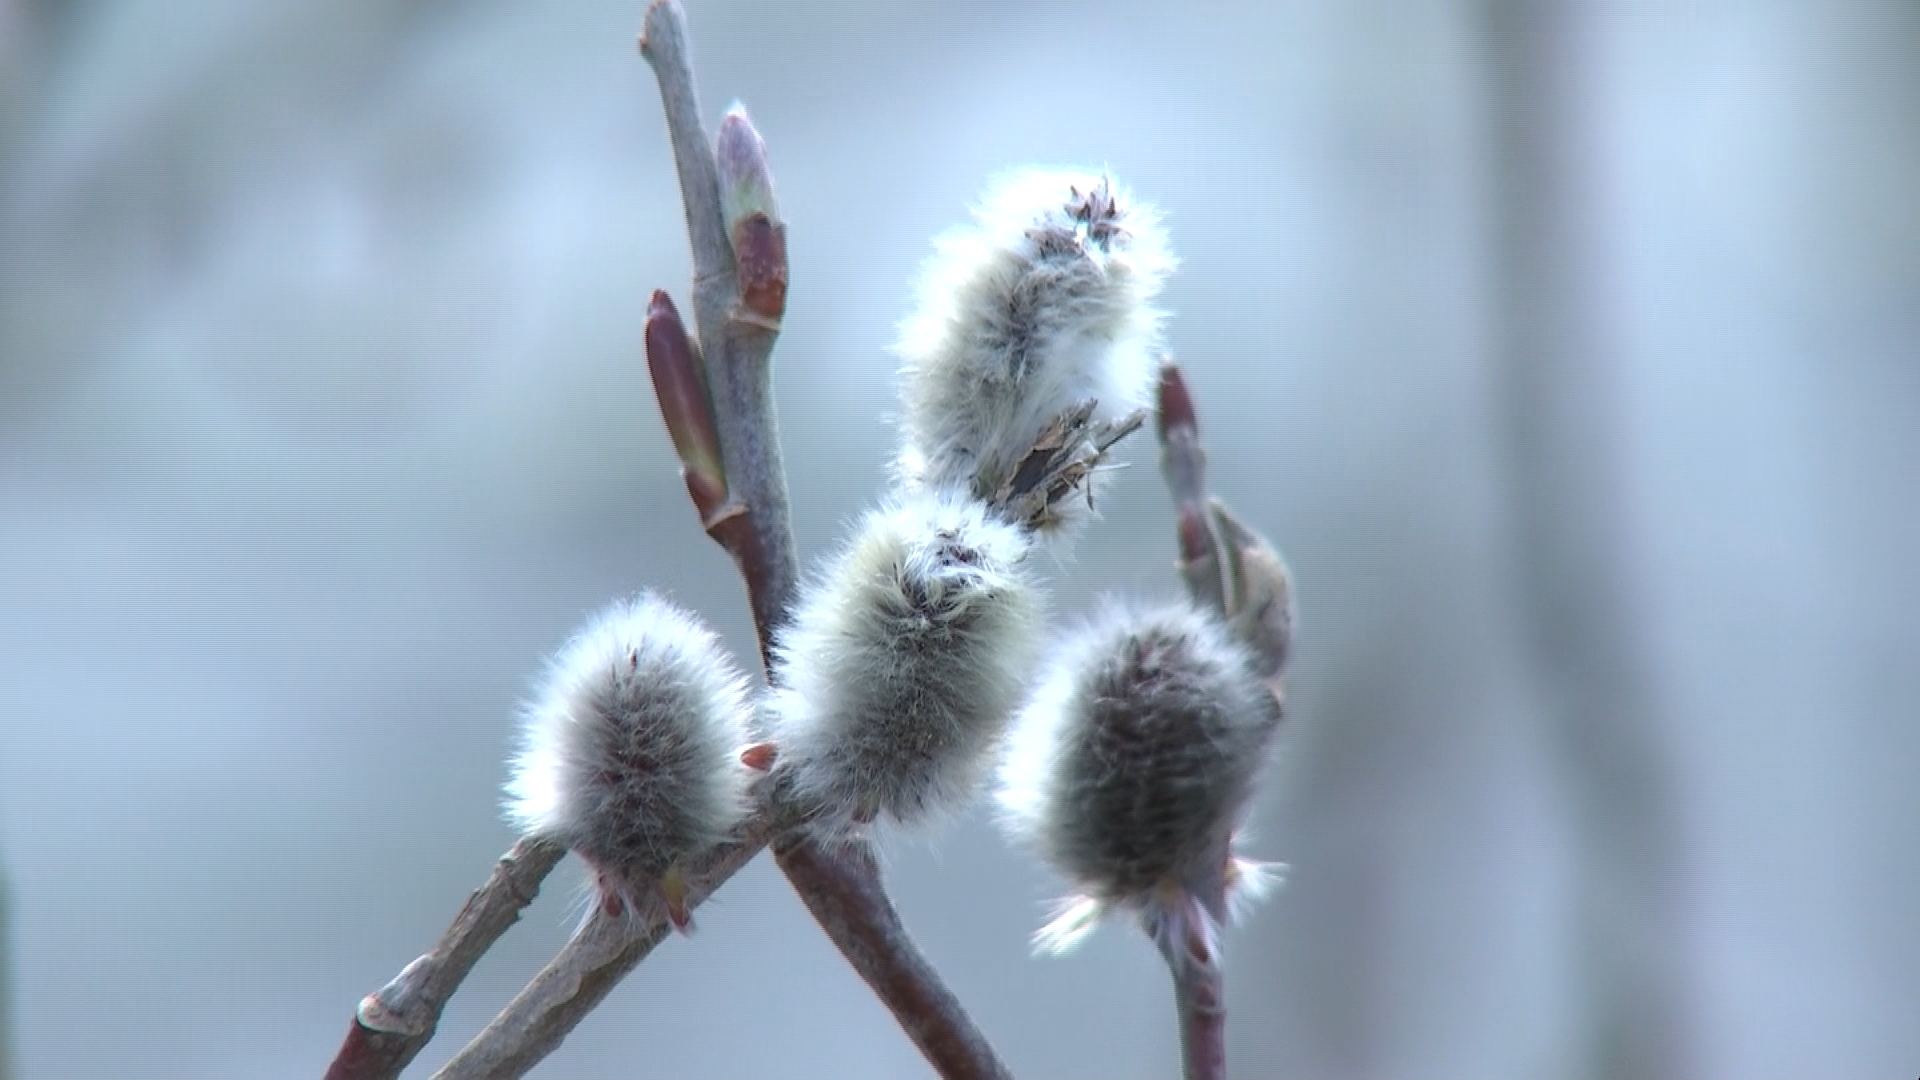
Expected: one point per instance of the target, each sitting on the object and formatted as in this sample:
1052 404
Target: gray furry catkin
1131 767
901 666
1045 300
630 753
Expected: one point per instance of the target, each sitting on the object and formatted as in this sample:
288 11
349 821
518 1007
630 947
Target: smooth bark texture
396 1021
841 886
1200 996
736 343
579 978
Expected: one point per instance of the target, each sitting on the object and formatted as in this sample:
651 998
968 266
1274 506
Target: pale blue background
323 417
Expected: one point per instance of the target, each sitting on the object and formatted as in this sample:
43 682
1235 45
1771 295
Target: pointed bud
680 386
1131 768
903 662
1043 302
760 756
754 227
629 754
1174 414
1183 463
1234 571
1258 592
1227 566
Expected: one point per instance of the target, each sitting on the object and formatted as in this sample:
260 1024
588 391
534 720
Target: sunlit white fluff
1045 299
903 661
629 751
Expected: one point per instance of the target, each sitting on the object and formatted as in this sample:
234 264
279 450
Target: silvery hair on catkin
1133 762
1044 300
629 752
903 662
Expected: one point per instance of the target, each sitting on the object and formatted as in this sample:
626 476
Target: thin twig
739 296
1226 564
394 1022
1208 565
721 391
841 886
1183 463
580 977
717 392
1199 992
736 343
1229 567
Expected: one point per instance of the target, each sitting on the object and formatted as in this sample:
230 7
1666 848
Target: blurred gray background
1571 354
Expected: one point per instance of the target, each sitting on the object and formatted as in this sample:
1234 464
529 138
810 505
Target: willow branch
579 978
737 308
394 1022
1225 564
739 297
841 886
1199 992
1210 567
716 397
1229 567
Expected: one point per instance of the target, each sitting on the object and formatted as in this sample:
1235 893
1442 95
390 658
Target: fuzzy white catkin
1131 766
630 752
1044 300
903 661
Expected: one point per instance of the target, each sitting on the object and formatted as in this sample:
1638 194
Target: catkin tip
1043 301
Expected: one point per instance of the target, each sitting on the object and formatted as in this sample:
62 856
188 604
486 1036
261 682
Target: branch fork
714 389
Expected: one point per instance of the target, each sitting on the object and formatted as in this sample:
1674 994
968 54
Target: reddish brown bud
1196 540
760 266
754 227
759 757
680 385
1175 413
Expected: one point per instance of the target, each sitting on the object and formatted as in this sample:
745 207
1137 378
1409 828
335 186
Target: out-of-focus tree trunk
1576 582
30 31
